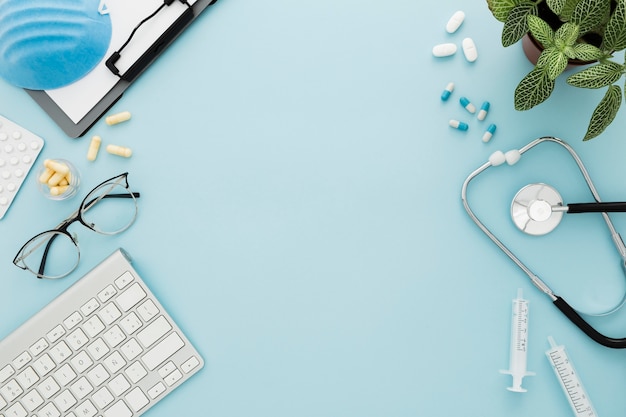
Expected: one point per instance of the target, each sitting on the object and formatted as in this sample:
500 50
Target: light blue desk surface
301 216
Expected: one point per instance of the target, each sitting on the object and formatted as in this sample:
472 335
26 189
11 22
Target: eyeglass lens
109 209
59 250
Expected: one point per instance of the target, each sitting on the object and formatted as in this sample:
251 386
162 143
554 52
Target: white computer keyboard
105 347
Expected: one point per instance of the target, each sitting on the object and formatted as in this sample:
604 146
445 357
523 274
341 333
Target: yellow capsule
58 190
117 118
45 175
56 166
94 147
56 179
119 151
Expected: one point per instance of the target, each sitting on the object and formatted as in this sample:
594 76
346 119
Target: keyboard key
131 323
17 410
32 400
173 378
106 294
110 313
86 409
136 372
156 390
131 349
65 374
81 362
125 279
103 397
190 364
27 378
55 334
114 362
44 365
167 369
65 400
77 339
147 310
6 373
60 352
11 390
119 409
81 388
98 349
163 350
38 347
137 399
114 336
49 410
119 385
154 331
130 297
89 307
94 326
49 387
22 360
98 375
72 320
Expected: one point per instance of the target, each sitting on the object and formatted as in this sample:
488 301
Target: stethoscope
537 209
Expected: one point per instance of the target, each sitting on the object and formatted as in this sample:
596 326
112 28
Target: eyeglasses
108 209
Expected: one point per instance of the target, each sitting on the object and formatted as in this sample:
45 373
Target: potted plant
568 32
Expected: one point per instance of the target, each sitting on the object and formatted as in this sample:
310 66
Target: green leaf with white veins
604 114
534 89
568 33
556 5
541 31
557 62
589 13
501 8
597 76
615 33
515 26
586 52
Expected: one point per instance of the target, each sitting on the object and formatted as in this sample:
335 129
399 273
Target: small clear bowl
57 185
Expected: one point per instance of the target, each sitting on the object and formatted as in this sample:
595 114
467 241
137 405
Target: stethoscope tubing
559 302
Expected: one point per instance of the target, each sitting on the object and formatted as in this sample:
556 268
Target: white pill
469 50
444 49
455 21
497 158
512 156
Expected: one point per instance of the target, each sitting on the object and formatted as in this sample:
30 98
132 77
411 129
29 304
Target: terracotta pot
532 50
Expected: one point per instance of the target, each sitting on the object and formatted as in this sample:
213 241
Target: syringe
568 378
519 343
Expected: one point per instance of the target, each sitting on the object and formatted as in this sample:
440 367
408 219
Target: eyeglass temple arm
598 337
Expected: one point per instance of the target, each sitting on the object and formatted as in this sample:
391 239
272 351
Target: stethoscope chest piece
532 209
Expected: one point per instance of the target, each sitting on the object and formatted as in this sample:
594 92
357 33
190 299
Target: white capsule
444 49
117 118
119 150
497 158
512 156
469 50
455 21
94 147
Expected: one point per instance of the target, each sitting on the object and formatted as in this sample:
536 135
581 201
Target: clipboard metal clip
156 48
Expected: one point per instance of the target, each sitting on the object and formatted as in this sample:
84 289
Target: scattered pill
489 133
444 49
467 104
469 50
119 151
455 21
512 156
458 125
484 109
447 91
117 118
94 147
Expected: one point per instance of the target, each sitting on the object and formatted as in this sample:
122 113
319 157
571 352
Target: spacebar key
163 350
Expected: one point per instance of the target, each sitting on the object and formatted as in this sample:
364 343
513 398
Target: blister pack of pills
19 149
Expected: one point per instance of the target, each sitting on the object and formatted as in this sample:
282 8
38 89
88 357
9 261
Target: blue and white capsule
458 125
447 91
489 133
467 104
484 109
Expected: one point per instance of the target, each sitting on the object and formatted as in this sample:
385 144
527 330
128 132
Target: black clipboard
77 129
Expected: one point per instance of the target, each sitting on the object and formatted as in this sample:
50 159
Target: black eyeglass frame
77 216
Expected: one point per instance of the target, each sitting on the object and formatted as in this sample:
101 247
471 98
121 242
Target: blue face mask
46 44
